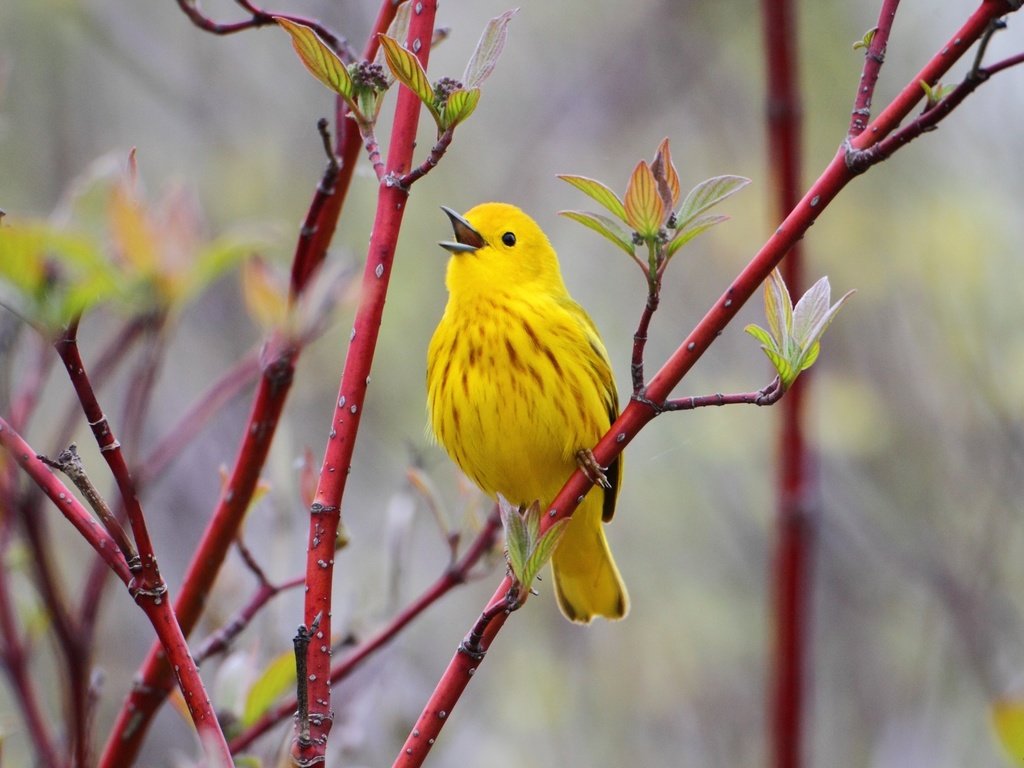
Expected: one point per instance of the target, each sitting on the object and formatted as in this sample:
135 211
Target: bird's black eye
508 239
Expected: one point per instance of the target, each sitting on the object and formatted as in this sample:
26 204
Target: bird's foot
594 471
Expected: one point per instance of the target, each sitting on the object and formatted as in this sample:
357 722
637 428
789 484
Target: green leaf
778 309
488 49
318 57
708 193
786 372
865 42
604 226
459 106
696 226
517 538
762 336
408 71
807 358
645 211
276 680
597 191
543 550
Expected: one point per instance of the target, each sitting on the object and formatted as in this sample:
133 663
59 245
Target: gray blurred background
916 408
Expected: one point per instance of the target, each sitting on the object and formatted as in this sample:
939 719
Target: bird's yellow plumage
518 383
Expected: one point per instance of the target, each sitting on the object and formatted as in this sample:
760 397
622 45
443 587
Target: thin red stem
457 574
325 512
794 521
137 712
874 57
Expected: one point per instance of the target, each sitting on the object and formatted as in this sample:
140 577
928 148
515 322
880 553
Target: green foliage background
917 416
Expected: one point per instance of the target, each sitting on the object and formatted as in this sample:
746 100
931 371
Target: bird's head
498 246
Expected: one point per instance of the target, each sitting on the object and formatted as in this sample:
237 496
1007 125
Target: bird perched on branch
519 389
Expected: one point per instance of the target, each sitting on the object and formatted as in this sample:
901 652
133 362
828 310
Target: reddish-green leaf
318 57
408 70
666 176
597 191
645 211
488 49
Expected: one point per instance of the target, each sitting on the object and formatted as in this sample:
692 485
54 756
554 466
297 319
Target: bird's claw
594 471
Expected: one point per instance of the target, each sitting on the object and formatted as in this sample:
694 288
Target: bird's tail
587 582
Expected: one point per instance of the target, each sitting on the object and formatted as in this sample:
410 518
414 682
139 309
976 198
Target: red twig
636 367
795 521
138 709
639 412
458 573
874 57
147 580
325 512
436 153
262 18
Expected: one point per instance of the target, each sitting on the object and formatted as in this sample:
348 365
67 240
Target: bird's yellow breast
516 385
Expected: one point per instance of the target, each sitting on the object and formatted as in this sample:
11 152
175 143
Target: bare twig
874 57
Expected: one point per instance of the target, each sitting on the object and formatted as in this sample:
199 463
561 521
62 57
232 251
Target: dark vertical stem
795 531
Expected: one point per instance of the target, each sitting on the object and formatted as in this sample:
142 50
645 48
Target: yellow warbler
520 387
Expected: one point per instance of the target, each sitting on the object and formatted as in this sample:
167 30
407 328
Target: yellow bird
520 388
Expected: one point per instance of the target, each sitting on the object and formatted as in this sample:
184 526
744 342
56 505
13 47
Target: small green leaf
597 191
277 678
459 106
762 336
543 550
865 42
708 193
517 538
318 57
408 71
604 226
488 49
786 373
807 358
696 226
645 211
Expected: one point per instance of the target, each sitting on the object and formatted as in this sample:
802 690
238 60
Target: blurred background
916 406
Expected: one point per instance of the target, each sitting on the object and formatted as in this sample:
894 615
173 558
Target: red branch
325 512
455 575
637 413
148 579
874 57
796 519
155 680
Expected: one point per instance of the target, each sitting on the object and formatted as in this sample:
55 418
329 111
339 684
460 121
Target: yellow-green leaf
645 210
276 680
408 70
459 106
320 60
604 226
597 191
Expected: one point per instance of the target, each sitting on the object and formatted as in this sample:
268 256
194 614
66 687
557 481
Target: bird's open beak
467 239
